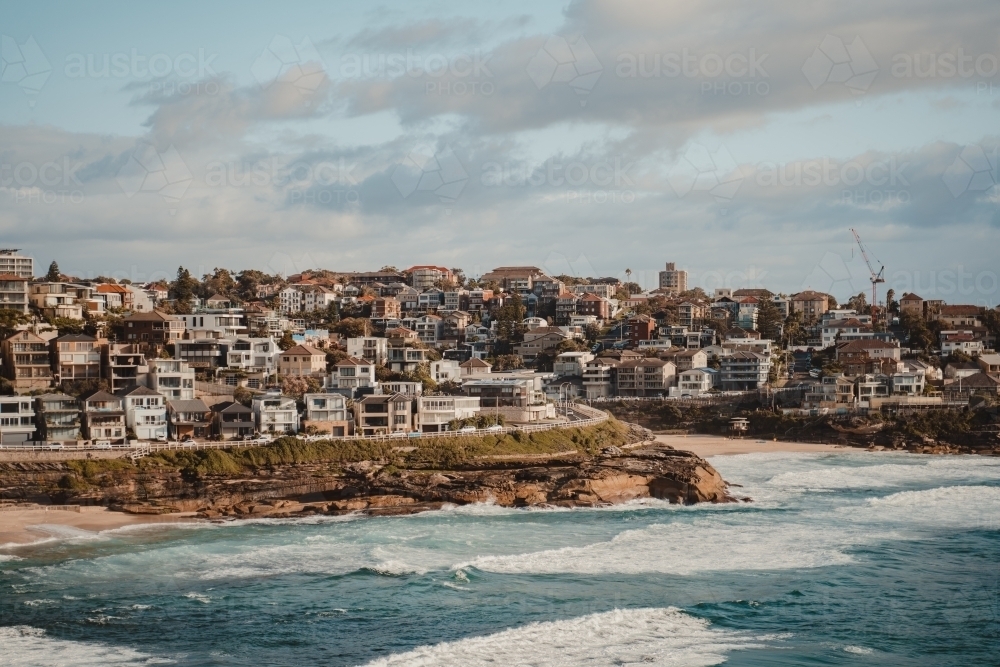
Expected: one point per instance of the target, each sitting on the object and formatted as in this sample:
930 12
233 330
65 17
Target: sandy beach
33 525
714 445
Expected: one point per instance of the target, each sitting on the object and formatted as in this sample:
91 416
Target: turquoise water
843 559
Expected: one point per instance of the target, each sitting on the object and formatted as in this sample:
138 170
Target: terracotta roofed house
302 361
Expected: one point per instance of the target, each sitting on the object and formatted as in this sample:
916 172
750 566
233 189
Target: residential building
122 365
60 299
103 416
429 328
959 316
290 300
960 341
232 421
352 374
302 361
593 305
380 414
27 361
475 368
406 359
317 297
570 364
425 276
696 381
173 378
691 314
375 350
811 304
328 413
645 377
17 420
517 399
605 291
445 370
746 314
153 328
386 308
188 418
870 348
975 385
990 363
744 370
275 413
834 331
912 304
200 353
640 327
221 323
76 357
435 412
566 307
908 384
673 280
145 412
685 360
14 292
456 299
251 355
454 325
57 417
598 377
18 265
138 300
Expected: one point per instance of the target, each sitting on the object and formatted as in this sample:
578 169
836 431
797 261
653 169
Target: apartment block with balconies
27 361
171 377
145 412
76 357
57 417
17 420
103 416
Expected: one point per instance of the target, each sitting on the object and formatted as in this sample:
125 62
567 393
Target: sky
742 141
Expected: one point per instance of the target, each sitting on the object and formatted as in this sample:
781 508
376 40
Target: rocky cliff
399 482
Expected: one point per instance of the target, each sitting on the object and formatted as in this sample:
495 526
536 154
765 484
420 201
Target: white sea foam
25 646
198 597
621 637
685 548
39 603
858 650
888 475
956 507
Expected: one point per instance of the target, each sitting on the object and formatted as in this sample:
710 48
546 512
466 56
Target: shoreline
717 445
25 527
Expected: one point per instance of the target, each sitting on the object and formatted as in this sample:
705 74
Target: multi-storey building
64 300
673 280
188 418
384 413
122 364
811 304
375 350
76 357
598 377
27 361
352 374
386 308
232 420
103 416
435 412
215 323
275 413
14 293
328 413
645 377
424 276
171 377
145 412
743 371
203 353
18 265
302 361
154 328
17 420
57 417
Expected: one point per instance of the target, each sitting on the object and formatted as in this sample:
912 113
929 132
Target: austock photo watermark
325 182
733 74
51 182
181 74
461 73
566 60
602 181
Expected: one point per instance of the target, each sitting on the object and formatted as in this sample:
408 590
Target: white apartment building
352 374
145 413
434 412
445 370
173 378
17 419
257 355
695 382
228 323
18 265
290 300
571 363
274 413
370 348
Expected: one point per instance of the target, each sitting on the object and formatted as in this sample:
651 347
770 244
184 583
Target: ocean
841 559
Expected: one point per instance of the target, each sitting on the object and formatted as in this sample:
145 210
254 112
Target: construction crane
876 278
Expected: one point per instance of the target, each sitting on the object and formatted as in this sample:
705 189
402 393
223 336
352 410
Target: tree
510 320
768 319
351 327
53 276
507 362
10 320
286 342
858 303
890 302
243 395
592 332
183 290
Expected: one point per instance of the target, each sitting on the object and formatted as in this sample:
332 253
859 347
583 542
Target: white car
467 429
102 444
54 446
496 428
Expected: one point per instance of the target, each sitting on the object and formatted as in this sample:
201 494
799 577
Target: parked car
467 429
54 446
102 444
496 428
